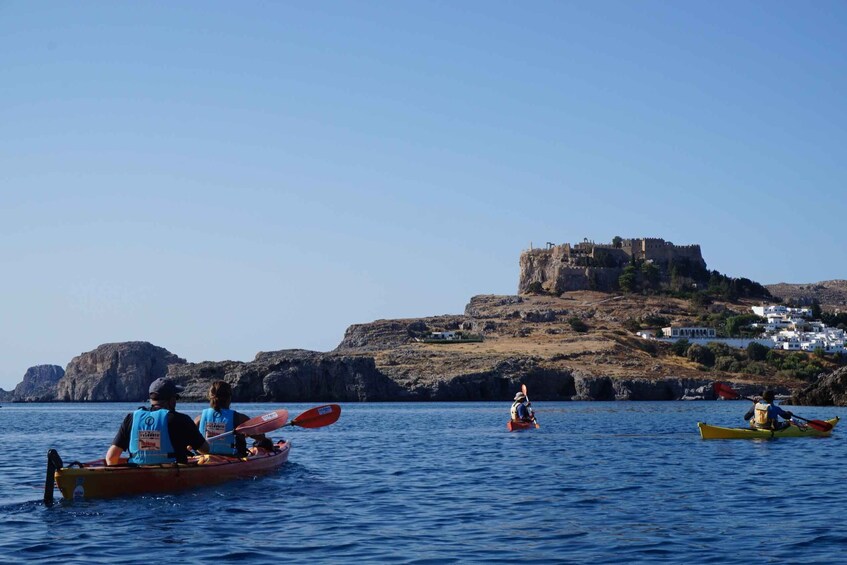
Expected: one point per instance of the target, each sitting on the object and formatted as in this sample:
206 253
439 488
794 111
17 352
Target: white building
792 330
829 340
779 309
692 332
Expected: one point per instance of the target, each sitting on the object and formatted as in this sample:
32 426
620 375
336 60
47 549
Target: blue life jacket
214 422
149 440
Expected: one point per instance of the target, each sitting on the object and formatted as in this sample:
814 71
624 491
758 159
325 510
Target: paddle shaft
316 417
258 425
528 404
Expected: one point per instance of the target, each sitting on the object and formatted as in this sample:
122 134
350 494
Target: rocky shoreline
121 372
530 340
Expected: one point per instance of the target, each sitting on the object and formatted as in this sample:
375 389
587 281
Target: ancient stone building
597 266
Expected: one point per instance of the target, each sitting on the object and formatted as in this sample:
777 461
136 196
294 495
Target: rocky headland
572 344
527 339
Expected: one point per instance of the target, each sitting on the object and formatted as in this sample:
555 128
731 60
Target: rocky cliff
292 376
828 390
591 266
39 384
115 372
576 346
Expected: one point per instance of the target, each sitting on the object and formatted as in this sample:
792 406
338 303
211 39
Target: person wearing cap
521 409
765 414
220 419
158 434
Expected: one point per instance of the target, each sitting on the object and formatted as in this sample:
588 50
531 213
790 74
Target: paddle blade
317 417
725 391
264 423
819 425
523 389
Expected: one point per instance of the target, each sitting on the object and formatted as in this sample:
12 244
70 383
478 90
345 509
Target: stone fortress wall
596 266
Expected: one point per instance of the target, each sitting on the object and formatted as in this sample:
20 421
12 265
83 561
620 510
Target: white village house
786 328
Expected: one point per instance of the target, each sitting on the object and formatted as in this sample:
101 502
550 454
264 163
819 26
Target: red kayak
96 480
515 425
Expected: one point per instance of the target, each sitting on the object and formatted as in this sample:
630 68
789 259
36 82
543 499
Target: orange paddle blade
317 417
264 423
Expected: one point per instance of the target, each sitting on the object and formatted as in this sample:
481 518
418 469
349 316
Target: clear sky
226 178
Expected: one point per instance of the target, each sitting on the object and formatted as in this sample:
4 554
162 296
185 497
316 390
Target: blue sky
226 178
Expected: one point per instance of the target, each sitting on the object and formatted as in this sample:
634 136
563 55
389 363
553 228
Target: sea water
601 482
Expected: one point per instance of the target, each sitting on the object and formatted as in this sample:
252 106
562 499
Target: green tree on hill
578 325
628 281
650 274
757 351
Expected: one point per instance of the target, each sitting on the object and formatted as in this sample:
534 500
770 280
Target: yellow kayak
717 432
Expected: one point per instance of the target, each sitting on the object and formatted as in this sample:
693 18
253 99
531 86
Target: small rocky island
570 334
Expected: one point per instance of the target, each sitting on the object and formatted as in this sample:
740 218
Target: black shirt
181 429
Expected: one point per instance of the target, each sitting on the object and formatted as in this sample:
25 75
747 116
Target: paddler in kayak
158 434
219 419
522 409
764 415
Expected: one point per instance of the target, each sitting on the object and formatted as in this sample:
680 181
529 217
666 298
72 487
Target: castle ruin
597 266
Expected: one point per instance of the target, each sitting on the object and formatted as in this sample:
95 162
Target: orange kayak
515 425
96 480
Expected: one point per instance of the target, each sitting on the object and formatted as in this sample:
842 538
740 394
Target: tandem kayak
716 432
515 425
96 480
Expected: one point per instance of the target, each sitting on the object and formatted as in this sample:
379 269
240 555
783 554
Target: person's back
215 422
766 414
158 434
219 419
520 410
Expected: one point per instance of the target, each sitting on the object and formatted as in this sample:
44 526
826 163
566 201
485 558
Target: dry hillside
537 331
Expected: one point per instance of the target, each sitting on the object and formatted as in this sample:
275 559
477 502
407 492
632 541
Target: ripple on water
445 483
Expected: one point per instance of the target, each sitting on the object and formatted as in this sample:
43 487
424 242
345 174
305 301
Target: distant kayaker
158 434
765 414
219 419
522 409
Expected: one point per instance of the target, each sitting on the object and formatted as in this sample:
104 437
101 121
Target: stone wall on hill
592 266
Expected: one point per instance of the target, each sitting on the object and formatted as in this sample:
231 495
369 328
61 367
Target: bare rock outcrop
39 384
386 334
292 375
115 372
827 390
831 295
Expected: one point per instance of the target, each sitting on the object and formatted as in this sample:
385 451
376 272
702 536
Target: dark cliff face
292 376
115 372
122 372
38 385
828 390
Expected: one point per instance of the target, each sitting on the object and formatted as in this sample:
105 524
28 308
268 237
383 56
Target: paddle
528 403
727 392
259 425
317 417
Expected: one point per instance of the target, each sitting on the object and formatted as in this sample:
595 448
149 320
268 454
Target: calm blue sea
617 482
